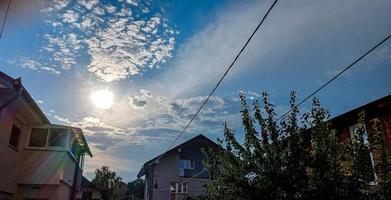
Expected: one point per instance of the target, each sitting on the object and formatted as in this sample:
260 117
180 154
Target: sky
158 60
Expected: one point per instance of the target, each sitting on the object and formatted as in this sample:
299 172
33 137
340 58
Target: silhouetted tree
298 157
136 188
109 179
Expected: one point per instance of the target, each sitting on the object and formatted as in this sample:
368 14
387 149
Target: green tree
109 179
297 157
136 188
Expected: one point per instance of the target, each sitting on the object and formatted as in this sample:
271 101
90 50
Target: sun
102 99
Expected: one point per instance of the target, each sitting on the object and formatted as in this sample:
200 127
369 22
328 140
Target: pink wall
9 157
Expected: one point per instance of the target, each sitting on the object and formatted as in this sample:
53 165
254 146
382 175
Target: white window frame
47 147
66 145
189 164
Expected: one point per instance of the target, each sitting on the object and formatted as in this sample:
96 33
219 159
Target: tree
136 188
298 157
108 179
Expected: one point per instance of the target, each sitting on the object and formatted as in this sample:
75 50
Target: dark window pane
15 135
57 137
38 137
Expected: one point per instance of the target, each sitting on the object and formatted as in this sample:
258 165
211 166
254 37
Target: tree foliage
136 188
297 157
108 179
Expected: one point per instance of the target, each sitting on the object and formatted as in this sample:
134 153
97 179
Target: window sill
45 149
13 148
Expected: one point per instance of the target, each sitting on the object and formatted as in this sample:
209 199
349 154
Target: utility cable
336 76
5 18
219 82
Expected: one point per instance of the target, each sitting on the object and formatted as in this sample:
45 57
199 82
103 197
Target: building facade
179 173
377 125
38 160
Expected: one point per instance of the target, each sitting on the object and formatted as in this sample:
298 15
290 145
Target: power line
313 93
336 76
219 82
5 18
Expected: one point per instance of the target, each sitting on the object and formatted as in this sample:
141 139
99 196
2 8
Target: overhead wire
5 18
211 93
219 82
336 76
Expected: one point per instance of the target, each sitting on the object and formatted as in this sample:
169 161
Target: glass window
186 164
15 135
58 137
38 137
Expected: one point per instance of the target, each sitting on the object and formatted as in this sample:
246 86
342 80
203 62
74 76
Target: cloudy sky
159 59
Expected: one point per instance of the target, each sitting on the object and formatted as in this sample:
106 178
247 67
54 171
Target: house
122 188
377 124
91 191
167 176
38 160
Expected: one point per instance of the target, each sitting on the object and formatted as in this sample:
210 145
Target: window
38 137
15 135
353 130
57 137
186 164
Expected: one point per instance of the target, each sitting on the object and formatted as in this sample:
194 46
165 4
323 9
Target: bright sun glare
102 99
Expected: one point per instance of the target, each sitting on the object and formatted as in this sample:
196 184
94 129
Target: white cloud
30 64
137 102
50 70
88 4
56 5
289 34
119 44
108 158
70 16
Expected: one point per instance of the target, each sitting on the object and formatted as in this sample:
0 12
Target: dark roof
193 140
25 95
371 109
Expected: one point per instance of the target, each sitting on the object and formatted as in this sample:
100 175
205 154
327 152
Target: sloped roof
376 106
195 139
9 84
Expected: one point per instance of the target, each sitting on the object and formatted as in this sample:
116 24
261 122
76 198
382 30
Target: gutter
18 85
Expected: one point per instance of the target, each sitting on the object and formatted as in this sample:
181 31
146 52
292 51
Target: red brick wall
386 122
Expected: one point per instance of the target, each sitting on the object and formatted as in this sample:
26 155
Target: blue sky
161 58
